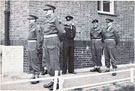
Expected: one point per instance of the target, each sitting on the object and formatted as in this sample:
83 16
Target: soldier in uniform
96 35
51 46
34 43
68 46
111 40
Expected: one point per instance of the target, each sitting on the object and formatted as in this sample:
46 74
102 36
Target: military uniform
96 45
33 45
96 35
52 28
39 43
51 44
111 39
68 48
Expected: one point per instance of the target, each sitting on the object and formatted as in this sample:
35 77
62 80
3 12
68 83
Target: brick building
83 12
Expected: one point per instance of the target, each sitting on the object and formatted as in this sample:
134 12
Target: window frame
101 7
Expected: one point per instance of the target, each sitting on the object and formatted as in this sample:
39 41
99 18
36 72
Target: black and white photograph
67 45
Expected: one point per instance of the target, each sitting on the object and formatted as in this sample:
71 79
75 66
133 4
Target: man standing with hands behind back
68 46
111 40
51 46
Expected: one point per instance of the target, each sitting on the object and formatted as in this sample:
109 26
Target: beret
32 17
69 18
49 7
95 20
110 20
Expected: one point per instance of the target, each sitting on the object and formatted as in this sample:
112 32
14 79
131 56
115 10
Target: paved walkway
69 83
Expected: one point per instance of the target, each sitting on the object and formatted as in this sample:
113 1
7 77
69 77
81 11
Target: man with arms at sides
34 43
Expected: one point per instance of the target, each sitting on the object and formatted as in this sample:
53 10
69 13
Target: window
106 7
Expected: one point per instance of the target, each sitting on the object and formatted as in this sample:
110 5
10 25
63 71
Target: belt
96 39
51 35
109 39
32 40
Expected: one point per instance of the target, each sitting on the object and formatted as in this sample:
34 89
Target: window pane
106 6
98 5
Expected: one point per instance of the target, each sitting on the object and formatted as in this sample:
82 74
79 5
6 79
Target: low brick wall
124 54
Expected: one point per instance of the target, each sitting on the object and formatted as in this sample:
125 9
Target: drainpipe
7 20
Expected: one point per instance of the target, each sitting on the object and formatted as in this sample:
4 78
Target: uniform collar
32 25
96 28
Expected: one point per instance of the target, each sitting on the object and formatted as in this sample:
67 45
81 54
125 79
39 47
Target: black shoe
64 72
94 70
115 67
51 88
34 82
114 74
107 70
44 72
99 70
72 72
48 85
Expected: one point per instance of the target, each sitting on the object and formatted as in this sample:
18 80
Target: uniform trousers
110 51
97 50
51 54
33 57
68 56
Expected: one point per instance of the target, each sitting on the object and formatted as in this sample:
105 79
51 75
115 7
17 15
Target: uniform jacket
111 33
96 33
69 34
70 31
52 26
35 33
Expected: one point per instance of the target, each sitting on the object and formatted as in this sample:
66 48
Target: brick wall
18 20
2 8
84 12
